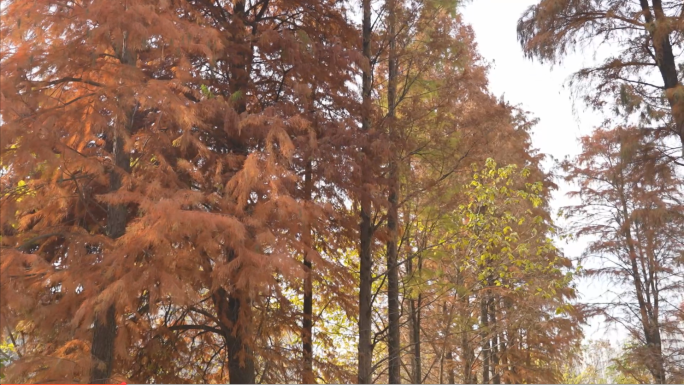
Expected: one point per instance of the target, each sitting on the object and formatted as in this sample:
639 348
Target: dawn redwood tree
630 203
393 342
78 86
630 195
366 228
643 72
204 128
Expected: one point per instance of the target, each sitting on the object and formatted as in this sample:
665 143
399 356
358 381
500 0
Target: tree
631 206
204 127
393 342
365 356
493 285
69 102
594 365
644 37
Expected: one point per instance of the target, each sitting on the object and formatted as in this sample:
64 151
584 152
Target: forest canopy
300 191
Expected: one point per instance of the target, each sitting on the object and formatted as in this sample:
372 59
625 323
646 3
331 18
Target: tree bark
496 377
414 333
654 312
451 379
365 347
240 356
447 360
393 343
465 331
102 350
104 330
484 335
307 321
665 60
241 365
414 308
651 329
241 62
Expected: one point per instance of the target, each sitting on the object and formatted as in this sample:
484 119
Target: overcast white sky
543 91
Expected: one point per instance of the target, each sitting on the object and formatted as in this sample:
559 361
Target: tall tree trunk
392 211
466 349
414 324
104 330
468 355
307 321
503 358
365 347
654 308
484 335
496 377
414 308
240 356
665 60
451 379
504 339
511 339
102 350
447 360
651 329
241 62
231 305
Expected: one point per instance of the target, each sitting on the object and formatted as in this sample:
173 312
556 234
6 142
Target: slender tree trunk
651 329
392 211
496 377
230 306
307 322
447 361
504 339
511 338
451 379
665 59
466 350
104 330
241 62
484 335
653 283
468 355
503 358
365 347
417 364
414 325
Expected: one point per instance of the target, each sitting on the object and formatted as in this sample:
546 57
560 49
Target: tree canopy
272 191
